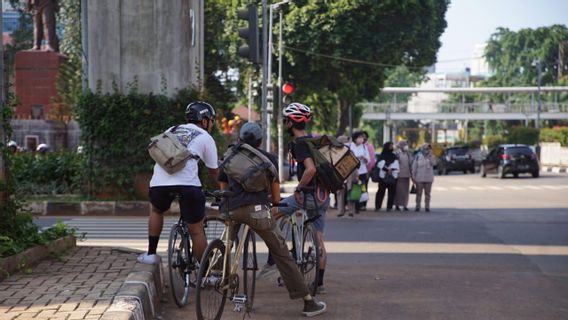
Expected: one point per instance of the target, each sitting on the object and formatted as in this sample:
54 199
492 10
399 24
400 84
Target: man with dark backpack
296 116
254 184
166 185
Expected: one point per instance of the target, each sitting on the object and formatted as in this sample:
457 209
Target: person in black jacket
387 163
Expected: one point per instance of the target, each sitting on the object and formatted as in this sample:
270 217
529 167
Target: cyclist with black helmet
164 187
296 116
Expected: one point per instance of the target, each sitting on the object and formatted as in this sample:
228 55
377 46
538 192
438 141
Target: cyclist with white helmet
164 187
296 117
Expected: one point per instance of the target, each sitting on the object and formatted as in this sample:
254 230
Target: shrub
493 140
52 173
523 135
558 134
115 130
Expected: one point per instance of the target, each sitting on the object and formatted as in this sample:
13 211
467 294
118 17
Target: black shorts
191 202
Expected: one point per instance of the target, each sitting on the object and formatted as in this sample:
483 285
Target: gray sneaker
267 270
313 308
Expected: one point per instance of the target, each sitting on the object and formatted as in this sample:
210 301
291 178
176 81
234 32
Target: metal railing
526 108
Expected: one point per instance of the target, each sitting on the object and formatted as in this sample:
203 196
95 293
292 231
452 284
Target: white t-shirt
200 143
361 152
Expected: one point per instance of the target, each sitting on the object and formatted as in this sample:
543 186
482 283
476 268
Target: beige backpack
169 152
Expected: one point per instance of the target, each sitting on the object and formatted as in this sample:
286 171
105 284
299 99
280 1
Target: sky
472 22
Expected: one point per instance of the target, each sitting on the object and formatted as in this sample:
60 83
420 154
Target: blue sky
471 22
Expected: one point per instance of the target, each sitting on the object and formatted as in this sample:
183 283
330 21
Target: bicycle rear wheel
210 298
179 265
249 269
309 266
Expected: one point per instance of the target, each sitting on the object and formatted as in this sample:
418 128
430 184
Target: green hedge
559 134
492 141
523 135
52 173
115 130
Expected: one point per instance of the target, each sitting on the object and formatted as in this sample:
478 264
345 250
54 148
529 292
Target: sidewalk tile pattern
80 285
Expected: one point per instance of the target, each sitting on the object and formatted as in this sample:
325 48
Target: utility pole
265 58
280 126
561 53
3 178
539 107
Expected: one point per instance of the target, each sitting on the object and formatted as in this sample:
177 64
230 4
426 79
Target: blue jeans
293 205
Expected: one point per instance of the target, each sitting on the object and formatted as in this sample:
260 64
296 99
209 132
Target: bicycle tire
179 265
214 227
209 299
309 267
249 267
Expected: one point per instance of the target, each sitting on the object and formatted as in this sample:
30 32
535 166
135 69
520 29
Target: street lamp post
280 129
3 178
539 106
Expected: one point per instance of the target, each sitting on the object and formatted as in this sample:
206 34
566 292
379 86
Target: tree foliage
511 56
345 46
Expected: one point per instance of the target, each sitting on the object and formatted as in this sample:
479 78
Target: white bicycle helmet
297 112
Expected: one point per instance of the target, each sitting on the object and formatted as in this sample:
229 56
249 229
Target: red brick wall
36 76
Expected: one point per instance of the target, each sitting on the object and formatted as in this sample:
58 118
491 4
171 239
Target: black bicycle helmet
199 110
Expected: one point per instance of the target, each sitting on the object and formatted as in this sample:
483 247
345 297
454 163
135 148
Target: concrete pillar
158 43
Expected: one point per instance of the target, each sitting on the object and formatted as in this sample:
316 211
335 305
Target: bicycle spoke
210 298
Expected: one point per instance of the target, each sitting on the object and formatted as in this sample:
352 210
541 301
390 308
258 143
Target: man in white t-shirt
164 187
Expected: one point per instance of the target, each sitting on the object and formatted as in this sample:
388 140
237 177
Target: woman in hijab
388 167
423 174
404 174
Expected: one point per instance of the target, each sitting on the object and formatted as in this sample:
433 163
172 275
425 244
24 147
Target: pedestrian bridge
528 110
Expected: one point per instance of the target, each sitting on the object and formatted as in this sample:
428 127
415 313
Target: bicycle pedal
239 300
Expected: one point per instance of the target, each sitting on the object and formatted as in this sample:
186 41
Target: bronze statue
43 12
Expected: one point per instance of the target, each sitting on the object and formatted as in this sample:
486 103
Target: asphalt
493 259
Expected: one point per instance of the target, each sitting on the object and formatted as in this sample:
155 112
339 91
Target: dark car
510 159
456 159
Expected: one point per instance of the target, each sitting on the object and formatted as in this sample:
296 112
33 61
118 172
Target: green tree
345 46
511 56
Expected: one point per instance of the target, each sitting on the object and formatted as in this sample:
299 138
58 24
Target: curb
554 169
98 208
140 295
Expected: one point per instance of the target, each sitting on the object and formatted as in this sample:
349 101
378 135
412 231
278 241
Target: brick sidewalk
80 286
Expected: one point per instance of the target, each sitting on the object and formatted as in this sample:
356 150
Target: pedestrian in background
370 164
404 175
423 175
360 151
388 166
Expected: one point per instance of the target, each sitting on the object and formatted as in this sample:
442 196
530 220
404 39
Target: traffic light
250 50
287 92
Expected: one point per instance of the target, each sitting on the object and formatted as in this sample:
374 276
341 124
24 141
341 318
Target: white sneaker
148 258
267 270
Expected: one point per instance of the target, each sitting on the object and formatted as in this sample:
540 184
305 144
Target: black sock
152 244
320 280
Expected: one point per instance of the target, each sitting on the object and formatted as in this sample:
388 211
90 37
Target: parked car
510 159
456 159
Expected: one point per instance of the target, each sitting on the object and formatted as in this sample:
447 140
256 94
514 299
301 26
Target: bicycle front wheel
249 269
309 266
179 265
210 297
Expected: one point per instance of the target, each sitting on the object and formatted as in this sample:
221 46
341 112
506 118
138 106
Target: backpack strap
267 163
191 155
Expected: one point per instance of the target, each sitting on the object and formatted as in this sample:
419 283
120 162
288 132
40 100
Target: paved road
490 249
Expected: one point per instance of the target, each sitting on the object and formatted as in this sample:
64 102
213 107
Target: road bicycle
182 265
218 276
300 235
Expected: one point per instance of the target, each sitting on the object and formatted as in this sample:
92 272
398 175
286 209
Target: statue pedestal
36 82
